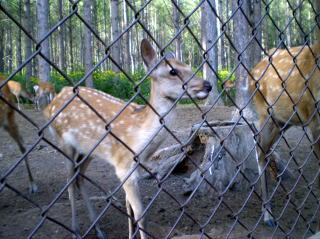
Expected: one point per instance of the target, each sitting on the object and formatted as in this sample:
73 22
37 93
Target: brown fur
19 91
137 130
7 121
286 92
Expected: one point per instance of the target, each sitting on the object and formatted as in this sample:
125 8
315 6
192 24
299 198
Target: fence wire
208 180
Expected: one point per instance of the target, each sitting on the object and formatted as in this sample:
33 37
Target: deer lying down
78 129
7 121
288 92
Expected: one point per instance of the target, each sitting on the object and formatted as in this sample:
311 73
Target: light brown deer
228 85
7 121
19 91
45 90
78 128
287 96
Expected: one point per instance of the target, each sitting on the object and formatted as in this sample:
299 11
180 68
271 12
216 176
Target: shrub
118 85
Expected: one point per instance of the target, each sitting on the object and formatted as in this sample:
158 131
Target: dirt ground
171 213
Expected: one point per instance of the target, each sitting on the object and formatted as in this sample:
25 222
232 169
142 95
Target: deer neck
159 102
150 122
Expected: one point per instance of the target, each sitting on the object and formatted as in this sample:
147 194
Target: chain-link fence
173 170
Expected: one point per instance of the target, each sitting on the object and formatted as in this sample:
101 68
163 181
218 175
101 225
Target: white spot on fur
69 138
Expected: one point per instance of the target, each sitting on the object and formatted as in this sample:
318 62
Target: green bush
118 85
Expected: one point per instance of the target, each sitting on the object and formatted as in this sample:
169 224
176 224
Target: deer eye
173 72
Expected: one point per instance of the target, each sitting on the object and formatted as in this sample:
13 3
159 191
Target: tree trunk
9 47
105 64
43 23
176 22
300 22
127 53
222 48
71 43
62 58
19 41
115 51
131 43
97 46
288 35
2 48
88 42
316 4
28 41
228 54
241 31
256 50
209 36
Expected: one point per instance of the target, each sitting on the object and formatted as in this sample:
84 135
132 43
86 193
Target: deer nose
207 85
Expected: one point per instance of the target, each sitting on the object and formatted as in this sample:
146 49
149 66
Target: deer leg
133 201
315 131
71 190
38 103
130 221
36 100
12 129
268 135
18 102
50 97
84 194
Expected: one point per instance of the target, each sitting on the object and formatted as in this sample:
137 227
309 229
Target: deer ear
148 54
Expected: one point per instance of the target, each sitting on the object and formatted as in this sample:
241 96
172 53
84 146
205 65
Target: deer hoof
270 222
101 235
33 188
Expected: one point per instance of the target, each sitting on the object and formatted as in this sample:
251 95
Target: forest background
222 40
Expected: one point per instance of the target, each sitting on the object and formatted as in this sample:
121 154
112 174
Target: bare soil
170 213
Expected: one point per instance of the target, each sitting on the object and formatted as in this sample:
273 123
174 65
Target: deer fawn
78 128
45 90
18 91
287 95
7 121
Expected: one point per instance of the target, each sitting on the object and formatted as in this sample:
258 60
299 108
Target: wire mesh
209 177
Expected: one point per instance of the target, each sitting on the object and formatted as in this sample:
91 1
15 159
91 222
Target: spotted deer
78 128
19 91
43 90
7 121
285 95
